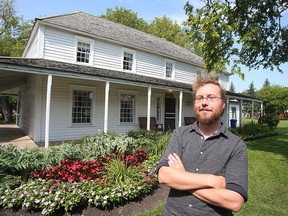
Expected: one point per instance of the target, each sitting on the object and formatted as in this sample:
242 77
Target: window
158 109
127 108
84 51
81 106
128 60
169 72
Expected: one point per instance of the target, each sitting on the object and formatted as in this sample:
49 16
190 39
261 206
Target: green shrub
251 130
271 120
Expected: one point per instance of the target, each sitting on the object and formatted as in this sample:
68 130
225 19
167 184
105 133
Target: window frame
91 54
135 110
133 53
91 89
167 61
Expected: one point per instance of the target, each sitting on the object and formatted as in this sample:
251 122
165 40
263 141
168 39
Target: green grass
268 176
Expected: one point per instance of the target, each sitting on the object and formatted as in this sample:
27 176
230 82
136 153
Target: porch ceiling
10 81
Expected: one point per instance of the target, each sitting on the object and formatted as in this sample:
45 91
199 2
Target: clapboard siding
185 73
108 56
27 106
59 45
150 64
33 49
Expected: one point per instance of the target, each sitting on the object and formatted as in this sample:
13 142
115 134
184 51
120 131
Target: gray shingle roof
106 29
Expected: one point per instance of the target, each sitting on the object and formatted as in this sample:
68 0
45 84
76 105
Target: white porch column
149 108
261 110
180 108
228 110
107 88
48 106
252 116
240 112
17 112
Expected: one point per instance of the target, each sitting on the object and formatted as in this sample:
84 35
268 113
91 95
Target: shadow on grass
277 144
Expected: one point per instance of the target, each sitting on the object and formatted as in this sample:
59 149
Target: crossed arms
206 187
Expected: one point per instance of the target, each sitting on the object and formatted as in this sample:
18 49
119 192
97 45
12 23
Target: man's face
208 105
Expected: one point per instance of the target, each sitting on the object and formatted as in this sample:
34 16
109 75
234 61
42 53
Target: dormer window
84 50
128 60
169 71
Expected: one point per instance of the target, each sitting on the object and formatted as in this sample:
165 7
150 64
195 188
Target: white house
80 73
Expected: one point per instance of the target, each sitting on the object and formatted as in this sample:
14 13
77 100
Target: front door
170 113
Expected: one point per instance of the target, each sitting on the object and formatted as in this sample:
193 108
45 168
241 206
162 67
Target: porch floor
12 134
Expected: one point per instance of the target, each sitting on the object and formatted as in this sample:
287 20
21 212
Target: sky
148 10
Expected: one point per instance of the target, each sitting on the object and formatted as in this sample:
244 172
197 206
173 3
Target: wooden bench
189 120
153 124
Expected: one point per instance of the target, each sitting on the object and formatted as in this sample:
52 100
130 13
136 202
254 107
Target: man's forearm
220 197
182 180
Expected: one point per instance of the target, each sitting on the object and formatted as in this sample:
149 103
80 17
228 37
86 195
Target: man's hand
175 161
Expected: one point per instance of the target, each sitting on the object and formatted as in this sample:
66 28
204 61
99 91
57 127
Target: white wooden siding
27 106
224 81
33 49
185 73
59 45
150 65
108 56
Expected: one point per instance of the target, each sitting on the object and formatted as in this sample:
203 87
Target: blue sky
148 10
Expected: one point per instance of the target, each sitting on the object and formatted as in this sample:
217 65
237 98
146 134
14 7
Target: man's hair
208 79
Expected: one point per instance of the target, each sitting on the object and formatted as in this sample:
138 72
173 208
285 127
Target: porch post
261 110
240 112
252 116
107 87
149 108
48 103
180 108
227 104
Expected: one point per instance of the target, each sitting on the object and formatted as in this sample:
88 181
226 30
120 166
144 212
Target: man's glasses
209 98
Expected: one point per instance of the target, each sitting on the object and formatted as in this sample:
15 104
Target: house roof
45 66
103 28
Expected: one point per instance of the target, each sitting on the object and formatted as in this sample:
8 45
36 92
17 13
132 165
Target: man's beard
208 119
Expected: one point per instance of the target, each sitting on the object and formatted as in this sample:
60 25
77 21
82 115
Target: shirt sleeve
236 173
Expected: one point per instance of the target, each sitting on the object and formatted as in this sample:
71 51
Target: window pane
81 107
127 61
83 52
127 108
169 70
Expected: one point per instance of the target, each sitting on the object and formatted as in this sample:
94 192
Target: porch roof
24 66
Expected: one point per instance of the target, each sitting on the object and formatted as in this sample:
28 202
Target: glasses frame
209 98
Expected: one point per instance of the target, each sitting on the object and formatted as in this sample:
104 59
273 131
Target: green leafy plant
271 120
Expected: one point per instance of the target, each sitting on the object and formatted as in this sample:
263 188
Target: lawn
268 179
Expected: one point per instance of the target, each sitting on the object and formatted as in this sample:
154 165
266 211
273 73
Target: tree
171 31
266 83
251 91
159 27
126 17
275 99
232 87
234 32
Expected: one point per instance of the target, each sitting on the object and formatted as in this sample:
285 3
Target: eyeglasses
210 98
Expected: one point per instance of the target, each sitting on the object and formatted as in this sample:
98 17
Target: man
205 165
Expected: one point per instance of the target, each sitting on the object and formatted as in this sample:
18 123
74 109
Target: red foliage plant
75 170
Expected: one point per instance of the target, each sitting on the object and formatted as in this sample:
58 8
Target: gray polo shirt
222 154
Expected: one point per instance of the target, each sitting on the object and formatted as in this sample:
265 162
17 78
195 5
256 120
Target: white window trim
173 69
133 52
135 93
84 88
88 41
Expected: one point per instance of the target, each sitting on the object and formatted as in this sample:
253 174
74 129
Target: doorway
170 114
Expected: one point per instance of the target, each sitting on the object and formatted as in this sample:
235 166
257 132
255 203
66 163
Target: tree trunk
6 109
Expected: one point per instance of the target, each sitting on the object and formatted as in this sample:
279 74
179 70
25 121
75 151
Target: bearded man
205 165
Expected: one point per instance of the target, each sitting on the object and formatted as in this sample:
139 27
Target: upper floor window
84 50
169 71
128 60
